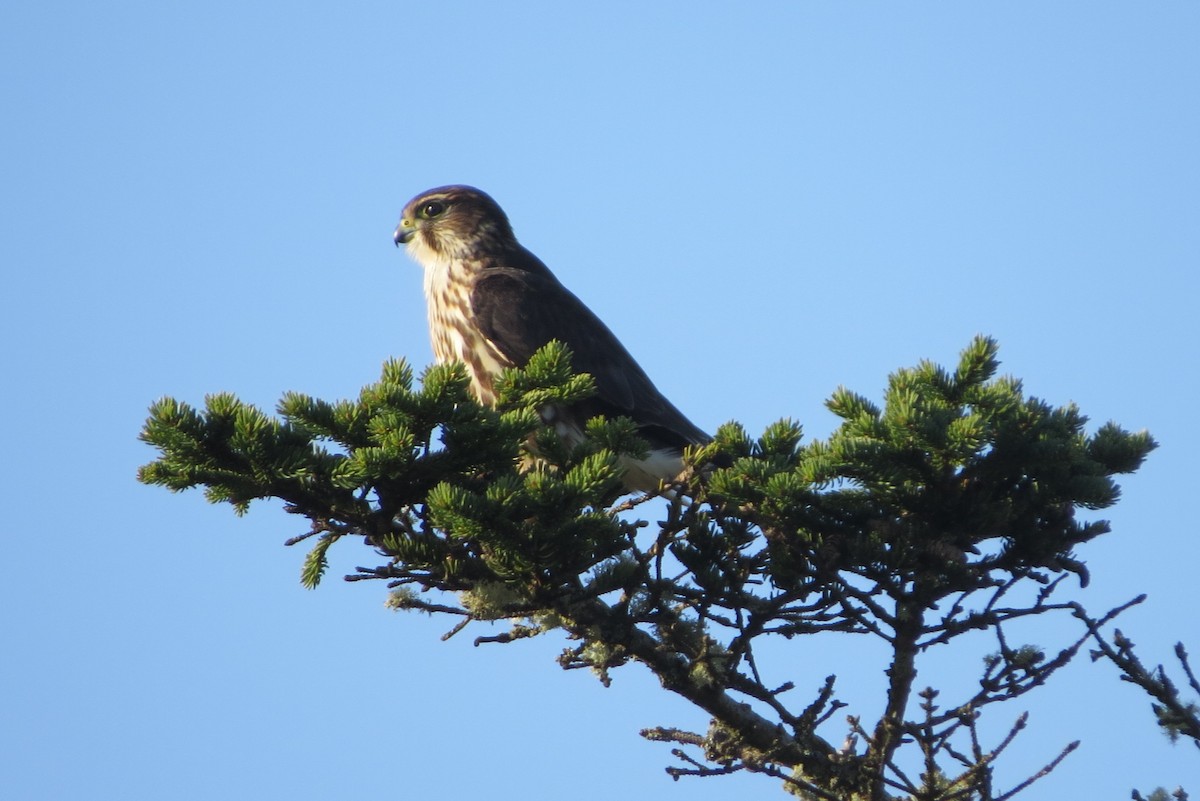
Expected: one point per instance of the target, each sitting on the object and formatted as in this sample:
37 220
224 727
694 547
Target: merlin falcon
493 304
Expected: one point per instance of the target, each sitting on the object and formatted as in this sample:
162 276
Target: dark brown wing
520 310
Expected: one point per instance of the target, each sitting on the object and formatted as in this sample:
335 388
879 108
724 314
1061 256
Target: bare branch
1045 771
1173 714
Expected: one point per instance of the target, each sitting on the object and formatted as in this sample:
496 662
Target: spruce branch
949 508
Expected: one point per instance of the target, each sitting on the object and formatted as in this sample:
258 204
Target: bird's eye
433 209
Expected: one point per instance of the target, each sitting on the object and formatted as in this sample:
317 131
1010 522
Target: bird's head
453 222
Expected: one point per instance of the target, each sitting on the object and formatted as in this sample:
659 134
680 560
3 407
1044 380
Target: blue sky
762 204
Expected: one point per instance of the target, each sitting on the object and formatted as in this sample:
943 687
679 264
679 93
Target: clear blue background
763 201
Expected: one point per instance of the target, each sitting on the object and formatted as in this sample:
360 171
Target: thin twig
1041 773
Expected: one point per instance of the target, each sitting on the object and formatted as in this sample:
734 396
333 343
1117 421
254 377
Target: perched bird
492 304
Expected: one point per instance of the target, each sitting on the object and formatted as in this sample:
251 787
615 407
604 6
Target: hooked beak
404 232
